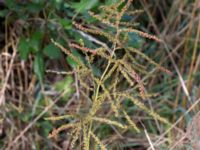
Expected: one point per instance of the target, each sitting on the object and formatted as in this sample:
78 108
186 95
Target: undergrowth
119 80
89 74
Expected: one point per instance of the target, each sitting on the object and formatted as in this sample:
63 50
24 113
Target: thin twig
2 92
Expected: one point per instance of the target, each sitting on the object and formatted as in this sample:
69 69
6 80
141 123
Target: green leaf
65 85
52 51
10 3
27 45
56 4
96 71
134 40
71 62
34 7
109 2
25 117
35 41
45 127
84 5
39 66
23 48
66 23
4 12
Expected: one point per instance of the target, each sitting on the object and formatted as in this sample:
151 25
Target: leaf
25 116
34 7
27 45
110 2
65 85
66 23
45 127
39 66
52 51
96 71
35 41
23 48
4 12
10 3
134 40
84 5
71 62
56 4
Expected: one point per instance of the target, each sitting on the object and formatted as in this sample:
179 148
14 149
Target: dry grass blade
148 137
178 72
5 82
176 123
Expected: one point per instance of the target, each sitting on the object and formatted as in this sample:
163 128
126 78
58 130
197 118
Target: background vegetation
44 60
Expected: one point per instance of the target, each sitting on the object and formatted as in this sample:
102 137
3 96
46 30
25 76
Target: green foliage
52 51
84 5
65 85
39 66
71 62
23 48
66 24
103 65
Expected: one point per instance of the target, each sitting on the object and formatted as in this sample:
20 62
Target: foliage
81 74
